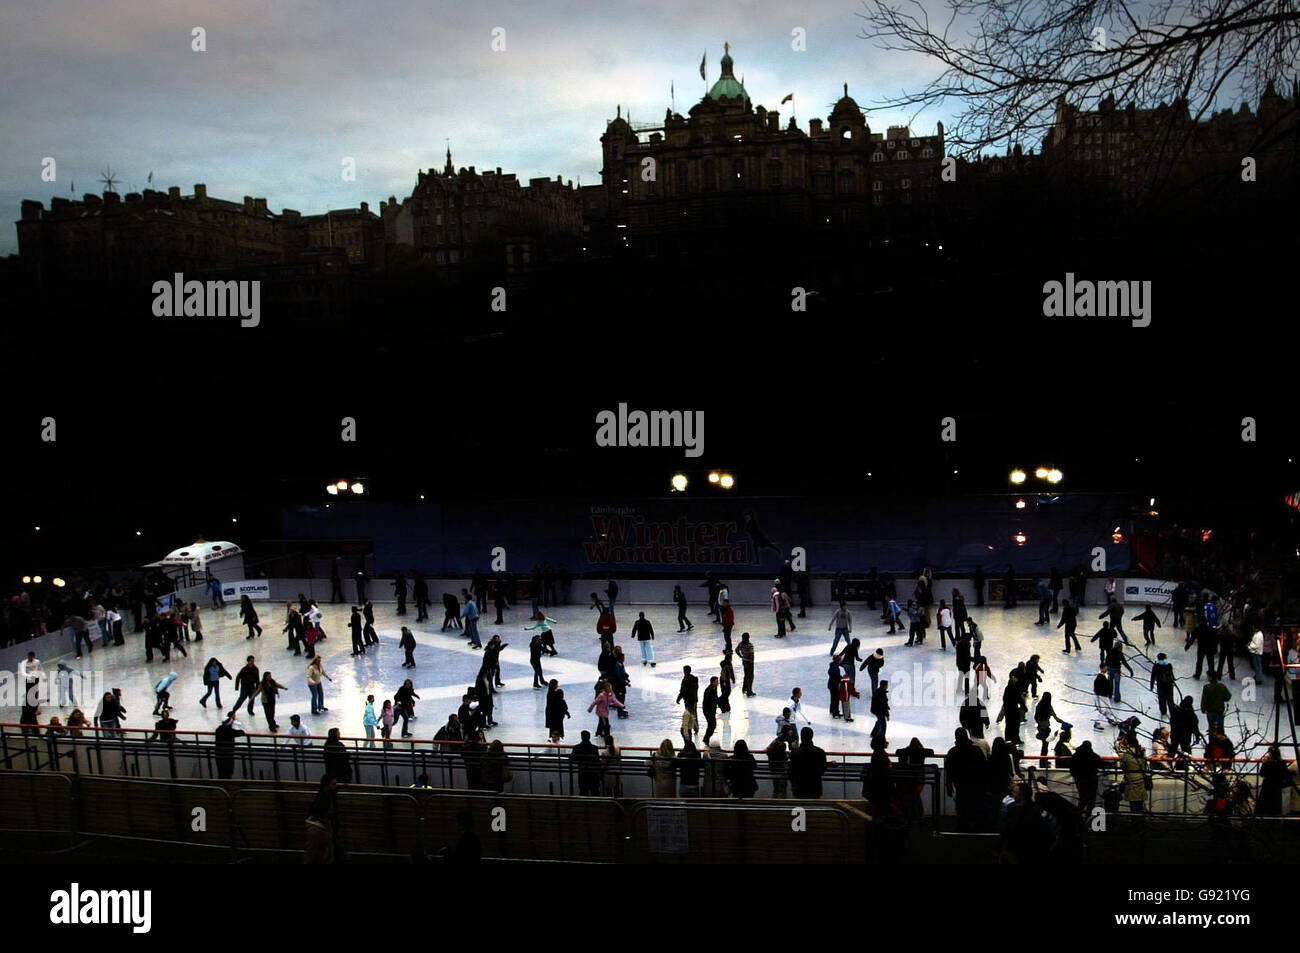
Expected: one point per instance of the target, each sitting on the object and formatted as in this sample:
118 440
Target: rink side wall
745 592
735 537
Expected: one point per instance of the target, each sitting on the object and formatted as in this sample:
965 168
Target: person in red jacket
728 620
847 694
606 625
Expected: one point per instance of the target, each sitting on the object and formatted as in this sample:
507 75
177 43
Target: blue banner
742 536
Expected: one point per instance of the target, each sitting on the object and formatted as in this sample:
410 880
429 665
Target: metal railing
1178 785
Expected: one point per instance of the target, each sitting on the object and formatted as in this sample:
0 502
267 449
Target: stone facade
141 237
729 165
1132 152
455 217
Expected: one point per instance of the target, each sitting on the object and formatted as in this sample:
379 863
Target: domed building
729 168
728 90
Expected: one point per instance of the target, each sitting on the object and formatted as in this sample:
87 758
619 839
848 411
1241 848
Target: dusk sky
286 89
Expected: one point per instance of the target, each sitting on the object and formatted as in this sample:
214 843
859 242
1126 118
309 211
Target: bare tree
1250 731
1006 63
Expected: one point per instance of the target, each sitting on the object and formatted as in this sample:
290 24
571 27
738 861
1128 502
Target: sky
286 90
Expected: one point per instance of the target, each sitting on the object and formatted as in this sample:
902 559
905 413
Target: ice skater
161 695
710 708
356 625
679 599
535 649
600 704
796 705
270 690
63 677
746 652
315 676
213 673
983 675
246 683
369 721
470 615
1115 613
1069 621
644 633
450 612
368 613
420 593
249 615
407 644
842 623
546 634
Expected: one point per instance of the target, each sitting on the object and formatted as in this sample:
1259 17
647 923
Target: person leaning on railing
663 770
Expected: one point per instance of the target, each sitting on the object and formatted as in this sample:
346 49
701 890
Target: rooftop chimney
814 127
200 190
174 192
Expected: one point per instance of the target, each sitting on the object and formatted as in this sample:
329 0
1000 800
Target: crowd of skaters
1218 627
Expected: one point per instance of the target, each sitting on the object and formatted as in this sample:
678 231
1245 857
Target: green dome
727 86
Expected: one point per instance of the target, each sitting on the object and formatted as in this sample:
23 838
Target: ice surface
447 665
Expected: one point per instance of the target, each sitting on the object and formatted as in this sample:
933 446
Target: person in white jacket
32 672
945 626
1256 650
31 669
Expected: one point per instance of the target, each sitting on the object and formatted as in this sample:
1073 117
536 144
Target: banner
253 588
736 536
1156 592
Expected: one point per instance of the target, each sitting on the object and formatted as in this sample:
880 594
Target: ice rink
924 687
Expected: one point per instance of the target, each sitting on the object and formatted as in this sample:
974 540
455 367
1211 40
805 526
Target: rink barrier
245 819
536 768
758 833
40 805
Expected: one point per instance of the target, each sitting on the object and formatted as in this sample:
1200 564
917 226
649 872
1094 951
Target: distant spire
448 169
846 89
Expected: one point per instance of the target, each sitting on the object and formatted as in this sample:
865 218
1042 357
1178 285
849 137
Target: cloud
287 88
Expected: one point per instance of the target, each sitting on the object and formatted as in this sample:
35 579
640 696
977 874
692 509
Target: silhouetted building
455 217
728 168
142 237
1136 154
